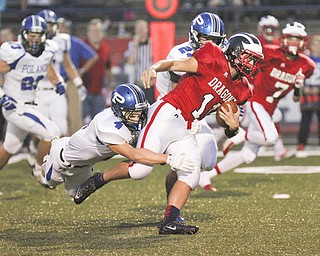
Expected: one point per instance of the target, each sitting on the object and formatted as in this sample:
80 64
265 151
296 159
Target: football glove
61 88
298 83
180 161
82 92
7 102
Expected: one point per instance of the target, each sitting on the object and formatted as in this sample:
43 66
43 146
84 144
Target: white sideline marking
281 196
286 169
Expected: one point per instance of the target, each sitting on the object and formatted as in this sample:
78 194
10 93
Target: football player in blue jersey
113 131
25 64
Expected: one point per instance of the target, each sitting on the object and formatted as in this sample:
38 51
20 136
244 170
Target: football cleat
176 228
285 155
86 189
210 187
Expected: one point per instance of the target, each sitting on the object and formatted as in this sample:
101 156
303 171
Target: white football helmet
269 27
294 29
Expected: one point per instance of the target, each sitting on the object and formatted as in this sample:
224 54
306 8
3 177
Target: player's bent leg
98 180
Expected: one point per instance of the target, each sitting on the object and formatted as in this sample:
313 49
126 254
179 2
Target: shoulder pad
11 51
180 51
113 131
51 45
64 41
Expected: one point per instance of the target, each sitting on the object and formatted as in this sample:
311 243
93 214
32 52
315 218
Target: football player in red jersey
284 69
269 33
269 30
209 81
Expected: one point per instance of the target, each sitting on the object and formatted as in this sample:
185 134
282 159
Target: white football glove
298 83
180 161
82 92
194 127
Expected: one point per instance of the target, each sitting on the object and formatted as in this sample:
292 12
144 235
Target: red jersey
277 76
200 93
264 41
93 79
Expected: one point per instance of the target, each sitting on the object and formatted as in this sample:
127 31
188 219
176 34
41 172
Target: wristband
230 133
77 81
296 92
1 92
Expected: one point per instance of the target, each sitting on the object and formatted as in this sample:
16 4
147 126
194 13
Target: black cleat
86 189
175 227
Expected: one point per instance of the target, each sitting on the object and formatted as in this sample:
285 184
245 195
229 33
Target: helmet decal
244 51
206 25
128 100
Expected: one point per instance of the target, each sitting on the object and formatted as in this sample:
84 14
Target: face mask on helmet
207 26
129 103
268 27
32 33
51 19
244 52
293 38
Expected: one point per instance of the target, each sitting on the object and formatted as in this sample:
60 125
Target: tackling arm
182 65
139 155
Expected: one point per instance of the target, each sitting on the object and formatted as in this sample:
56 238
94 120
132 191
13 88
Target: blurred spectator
194 4
309 102
122 32
6 35
83 57
269 30
139 57
99 77
26 3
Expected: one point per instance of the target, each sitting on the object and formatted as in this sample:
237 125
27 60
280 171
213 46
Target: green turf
241 218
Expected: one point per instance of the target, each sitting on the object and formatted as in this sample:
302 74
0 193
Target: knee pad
190 178
208 150
12 145
272 137
139 171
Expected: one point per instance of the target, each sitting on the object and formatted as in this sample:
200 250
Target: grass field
242 218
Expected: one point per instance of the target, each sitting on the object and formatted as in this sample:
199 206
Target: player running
284 69
25 64
207 83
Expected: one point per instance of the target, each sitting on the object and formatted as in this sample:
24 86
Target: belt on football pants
68 165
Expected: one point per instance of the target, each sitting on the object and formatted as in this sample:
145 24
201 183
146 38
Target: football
234 107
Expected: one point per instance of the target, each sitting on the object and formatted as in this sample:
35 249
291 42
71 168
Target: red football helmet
294 37
269 28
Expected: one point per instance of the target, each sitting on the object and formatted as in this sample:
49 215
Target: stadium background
236 18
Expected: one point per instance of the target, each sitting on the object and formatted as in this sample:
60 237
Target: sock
172 213
99 181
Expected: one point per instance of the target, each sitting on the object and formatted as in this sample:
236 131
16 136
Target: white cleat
38 176
285 155
205 181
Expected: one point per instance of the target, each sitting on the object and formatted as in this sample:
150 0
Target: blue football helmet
128 100
51 18
33 24
244 52
208 26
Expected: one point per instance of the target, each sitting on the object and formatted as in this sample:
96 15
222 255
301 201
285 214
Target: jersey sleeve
114 134
206 55
11 51
51 45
